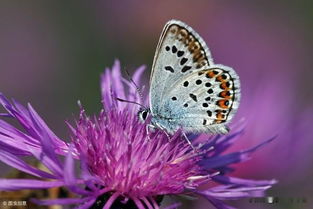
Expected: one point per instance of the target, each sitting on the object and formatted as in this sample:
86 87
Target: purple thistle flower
122 165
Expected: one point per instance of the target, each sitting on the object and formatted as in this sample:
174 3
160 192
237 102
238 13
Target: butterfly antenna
136 86
132 102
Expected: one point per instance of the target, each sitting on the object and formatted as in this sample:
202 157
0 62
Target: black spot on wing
193 97
180 53
208 84
183 61
198 82
186 83
169 68
185 68
174 49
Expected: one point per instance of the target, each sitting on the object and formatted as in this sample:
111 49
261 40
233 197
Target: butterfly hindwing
203 101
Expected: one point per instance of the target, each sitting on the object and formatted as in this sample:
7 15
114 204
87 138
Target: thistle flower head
123 164
128 159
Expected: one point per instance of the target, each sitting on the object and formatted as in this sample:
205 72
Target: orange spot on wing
219 117
223 103
225 86
219 78
225 94
210 74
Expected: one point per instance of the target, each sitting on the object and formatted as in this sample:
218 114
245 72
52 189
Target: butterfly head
143 114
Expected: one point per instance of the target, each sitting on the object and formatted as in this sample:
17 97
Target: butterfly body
187 90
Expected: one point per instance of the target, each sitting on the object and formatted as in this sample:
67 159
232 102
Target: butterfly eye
143 114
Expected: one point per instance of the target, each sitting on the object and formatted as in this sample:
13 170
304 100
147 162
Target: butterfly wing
178 53
203 101
178 96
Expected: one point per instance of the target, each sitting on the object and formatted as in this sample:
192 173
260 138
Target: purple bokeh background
53 52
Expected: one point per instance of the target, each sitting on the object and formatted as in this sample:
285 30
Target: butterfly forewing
179 52
187 90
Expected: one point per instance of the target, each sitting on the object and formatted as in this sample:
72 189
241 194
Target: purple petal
9 145
32 123
230 192
105 86
224 160
155 205
112 86
221 142
5 115
19 164
239 181
253 149
137 75
111 200
18 184
16 135
47 156
147 203
21 116
48 162
227 193
117 84
5 102
227 141
69 176
138 203
44 128
133 94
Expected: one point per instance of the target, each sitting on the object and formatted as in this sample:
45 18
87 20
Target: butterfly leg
150 129
164 130
189 142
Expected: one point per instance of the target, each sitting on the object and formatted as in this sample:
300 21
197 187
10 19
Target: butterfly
187 90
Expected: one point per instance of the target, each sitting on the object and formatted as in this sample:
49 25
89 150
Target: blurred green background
52 53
